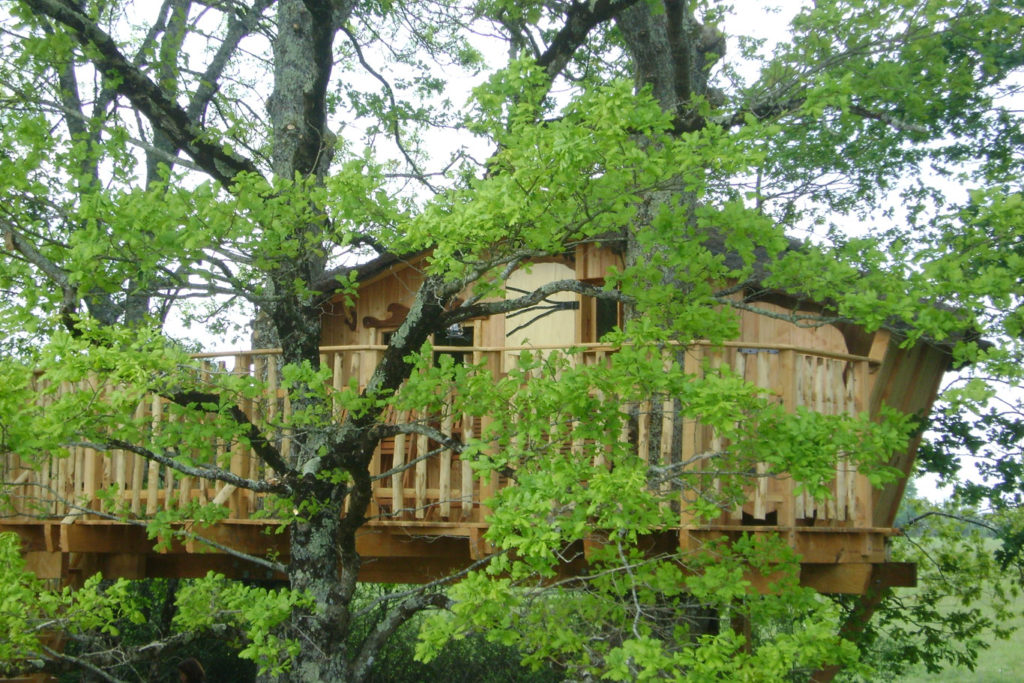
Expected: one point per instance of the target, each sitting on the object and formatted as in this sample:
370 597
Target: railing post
92 460
691 445
243 501
337 382
445 475
169 474
861 497
422 446
153 469
271 412
398 478
762 380
138 464
788 394
489 483
466 475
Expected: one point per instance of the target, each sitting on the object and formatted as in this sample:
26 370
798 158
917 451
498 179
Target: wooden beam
883 576
46 565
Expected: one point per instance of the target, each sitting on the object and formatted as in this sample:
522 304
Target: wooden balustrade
443 488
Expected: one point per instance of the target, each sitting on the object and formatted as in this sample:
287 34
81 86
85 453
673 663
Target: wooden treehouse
428 520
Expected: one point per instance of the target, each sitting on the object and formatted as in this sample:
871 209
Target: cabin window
598 317
456 335
606 317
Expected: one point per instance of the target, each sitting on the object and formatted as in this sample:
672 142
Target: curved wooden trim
397 313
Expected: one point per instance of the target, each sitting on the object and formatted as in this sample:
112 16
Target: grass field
1003 662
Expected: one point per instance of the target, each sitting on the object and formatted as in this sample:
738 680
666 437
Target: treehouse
428 515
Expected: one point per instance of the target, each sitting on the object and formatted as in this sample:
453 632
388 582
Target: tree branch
390 623
947 515
396 130
69 293
163 113
80 662
581 18
238 28
260 444
387 431
799 319
211 473
489 308
408 465
889 120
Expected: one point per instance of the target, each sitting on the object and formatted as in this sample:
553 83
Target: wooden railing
442 489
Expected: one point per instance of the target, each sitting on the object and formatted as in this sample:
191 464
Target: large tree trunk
303 57
672 54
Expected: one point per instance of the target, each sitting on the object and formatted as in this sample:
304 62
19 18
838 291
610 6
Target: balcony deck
428 519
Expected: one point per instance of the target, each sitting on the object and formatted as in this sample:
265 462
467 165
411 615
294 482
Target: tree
195 158
962 584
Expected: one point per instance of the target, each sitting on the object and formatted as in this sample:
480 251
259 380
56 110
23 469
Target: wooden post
398 478
824 509
466 477
138 464
837 401
489 483
445 478
373 509
271 409
667 430
337 382
169 476
286 433
691 446
255 415
243 501
91 459
761 487
153 474
739 366
788 383
422 447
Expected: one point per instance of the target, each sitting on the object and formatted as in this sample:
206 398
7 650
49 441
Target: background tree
185 160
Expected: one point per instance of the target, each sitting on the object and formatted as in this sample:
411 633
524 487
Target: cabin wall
906 379
381 305
347 324
771 328
384 297
594 260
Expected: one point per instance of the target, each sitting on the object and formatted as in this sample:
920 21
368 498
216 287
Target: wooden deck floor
833 560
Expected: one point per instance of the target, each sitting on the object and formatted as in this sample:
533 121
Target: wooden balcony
429 512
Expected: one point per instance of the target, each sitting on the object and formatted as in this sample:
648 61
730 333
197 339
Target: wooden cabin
430 519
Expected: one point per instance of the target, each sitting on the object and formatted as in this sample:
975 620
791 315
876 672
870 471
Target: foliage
665 617
470 658
33 617
168 171
964 600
